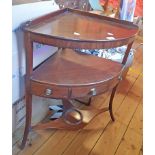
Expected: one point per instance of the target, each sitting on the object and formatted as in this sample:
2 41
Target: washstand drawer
49 91
78 92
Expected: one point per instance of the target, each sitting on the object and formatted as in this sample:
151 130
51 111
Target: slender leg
28 97
28 119
111 101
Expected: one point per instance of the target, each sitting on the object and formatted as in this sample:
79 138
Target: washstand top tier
71 28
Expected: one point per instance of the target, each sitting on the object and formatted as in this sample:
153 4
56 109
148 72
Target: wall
21 13
17 2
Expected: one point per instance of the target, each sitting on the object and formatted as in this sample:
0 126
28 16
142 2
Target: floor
101 136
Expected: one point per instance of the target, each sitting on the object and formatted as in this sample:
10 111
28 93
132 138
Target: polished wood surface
70 68
75 25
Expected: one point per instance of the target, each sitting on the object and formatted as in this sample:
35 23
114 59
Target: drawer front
93 90
46 90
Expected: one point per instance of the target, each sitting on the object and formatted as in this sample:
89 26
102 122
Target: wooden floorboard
110 139
101 136
130 144
137 121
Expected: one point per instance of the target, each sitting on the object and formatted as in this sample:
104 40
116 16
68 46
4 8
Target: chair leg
28 99
111 102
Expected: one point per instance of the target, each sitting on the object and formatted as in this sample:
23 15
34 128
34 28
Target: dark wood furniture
68 74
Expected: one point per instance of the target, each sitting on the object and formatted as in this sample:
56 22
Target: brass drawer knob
48 92
92 91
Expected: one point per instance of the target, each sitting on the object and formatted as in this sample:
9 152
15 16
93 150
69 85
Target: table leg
28 101
28 96
111 102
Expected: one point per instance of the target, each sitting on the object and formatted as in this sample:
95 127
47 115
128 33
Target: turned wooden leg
28 102
111 102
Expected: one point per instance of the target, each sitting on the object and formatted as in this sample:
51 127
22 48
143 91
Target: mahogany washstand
69 74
